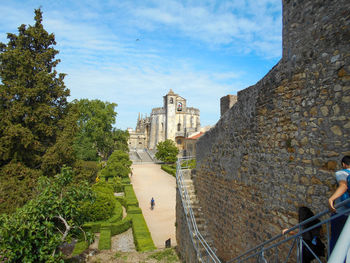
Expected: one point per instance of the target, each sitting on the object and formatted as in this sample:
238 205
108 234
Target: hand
284 231
331 205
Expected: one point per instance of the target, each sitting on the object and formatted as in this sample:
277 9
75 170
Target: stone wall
226 103
278 146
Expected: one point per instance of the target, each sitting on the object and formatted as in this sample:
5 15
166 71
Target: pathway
150 181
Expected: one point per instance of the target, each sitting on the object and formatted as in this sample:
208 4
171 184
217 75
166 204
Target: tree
94 137
118 164
167 151
32 97
33 100
34 232
120 139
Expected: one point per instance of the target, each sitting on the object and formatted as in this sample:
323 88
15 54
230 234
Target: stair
198 215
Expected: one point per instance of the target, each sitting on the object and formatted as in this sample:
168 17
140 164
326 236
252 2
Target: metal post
342 246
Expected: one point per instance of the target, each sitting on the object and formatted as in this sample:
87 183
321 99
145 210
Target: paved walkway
150 181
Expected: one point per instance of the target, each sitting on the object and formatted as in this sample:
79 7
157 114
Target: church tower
170 114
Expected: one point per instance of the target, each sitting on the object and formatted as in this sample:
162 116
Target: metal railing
297 239
203 250
267 251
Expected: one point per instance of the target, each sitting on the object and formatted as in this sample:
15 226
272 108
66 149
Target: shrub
130 196
86 170
80 247
169 169
34 232
122 226
105 237
142 237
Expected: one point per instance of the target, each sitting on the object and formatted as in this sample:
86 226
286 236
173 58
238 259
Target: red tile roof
195 137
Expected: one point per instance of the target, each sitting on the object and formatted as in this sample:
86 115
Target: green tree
167 151
33 100
120 139
118 164
34 232
94 137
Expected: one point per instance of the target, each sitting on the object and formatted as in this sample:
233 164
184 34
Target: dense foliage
167 151
34 232
33 103
94 137
118 164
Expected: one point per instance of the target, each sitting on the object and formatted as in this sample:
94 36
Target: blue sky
133 52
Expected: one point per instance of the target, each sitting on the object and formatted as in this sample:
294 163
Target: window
178 141
179 127
171 101
179 106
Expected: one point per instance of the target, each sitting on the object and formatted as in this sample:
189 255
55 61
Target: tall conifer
32 101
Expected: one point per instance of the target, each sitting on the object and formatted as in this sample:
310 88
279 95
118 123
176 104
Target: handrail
196 236
261 247
272 243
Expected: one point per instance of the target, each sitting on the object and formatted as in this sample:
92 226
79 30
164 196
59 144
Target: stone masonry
277 148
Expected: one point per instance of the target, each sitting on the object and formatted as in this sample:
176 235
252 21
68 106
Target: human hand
331 205
284 231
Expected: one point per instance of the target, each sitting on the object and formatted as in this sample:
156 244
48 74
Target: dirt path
150 181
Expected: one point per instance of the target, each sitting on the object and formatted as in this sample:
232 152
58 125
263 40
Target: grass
167 255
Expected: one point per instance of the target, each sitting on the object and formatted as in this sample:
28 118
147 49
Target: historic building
173 121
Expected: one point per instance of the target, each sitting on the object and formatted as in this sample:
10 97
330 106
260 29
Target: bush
117 184
169 169
122 226
86 171
103 207
80 247
142 237
35 231
105 237
130 196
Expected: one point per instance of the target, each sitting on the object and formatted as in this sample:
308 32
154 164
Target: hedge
131 199
117 215
168 169
122 226
142 236
105 237
79 248
134 210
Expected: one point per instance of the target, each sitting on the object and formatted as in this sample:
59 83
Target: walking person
339 195
152 203
312 237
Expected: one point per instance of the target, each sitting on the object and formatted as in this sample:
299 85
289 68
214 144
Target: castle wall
278 146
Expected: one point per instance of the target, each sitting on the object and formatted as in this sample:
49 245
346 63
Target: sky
132 52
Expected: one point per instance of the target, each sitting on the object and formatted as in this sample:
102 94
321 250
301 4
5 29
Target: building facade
174 121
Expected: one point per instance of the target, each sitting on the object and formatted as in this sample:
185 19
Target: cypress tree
33 100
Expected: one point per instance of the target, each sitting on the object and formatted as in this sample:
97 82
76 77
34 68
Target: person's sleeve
341 176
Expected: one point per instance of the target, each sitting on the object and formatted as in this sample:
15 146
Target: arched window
179 127
171 101
179 106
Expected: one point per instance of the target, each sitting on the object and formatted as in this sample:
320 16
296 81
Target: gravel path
150 181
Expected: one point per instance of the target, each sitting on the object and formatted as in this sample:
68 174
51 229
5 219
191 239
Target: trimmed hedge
130 196
117 216
170 170
79 248
134 210
126 180
142 236
117 213
122 226
105 237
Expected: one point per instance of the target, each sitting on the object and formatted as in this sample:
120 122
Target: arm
338 193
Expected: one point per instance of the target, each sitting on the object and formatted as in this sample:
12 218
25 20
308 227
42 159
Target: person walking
152 203
342 187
